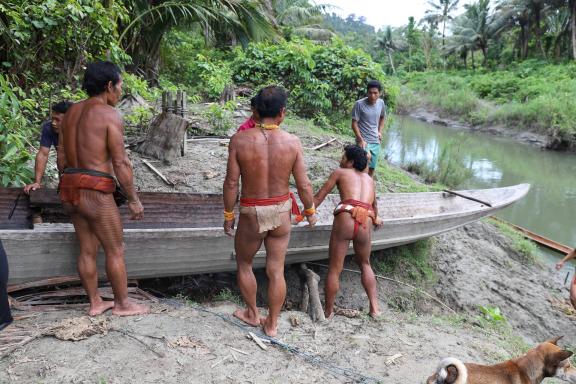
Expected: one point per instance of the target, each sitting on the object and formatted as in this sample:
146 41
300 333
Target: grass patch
392 179
227 295
525 248
411 261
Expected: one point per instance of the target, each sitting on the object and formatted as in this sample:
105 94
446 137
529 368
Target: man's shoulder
361 101
46 126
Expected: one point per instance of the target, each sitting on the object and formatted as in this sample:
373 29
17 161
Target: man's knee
275 272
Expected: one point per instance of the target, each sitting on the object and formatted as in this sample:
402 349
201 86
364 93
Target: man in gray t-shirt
368 120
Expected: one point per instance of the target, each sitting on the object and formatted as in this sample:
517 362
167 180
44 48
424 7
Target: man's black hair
374 84
270 101
61 107
98 75
357 155
253 102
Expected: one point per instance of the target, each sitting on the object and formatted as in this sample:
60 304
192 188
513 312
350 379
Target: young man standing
91 152
49 137
264 157
353 221
368 121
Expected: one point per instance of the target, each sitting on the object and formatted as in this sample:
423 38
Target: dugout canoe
182 233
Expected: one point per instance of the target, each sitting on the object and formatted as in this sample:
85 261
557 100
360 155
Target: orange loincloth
73 180
359 210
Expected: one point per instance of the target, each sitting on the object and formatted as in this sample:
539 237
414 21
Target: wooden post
311 292
170 102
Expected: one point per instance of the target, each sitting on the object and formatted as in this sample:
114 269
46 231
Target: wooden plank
548 243
157 172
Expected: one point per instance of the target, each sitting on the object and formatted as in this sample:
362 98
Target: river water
549 207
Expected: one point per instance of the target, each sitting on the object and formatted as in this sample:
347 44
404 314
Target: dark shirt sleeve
47 137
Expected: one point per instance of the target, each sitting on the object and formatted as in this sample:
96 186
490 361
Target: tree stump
165 137
311 303
227 94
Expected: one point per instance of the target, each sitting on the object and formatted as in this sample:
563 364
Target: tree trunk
573 27
391 62
538 30
473 63
485 53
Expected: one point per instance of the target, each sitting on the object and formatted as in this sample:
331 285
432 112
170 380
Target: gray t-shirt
368 117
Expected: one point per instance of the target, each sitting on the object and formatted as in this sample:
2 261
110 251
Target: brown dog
546 360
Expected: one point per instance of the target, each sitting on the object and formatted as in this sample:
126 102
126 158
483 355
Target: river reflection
548 209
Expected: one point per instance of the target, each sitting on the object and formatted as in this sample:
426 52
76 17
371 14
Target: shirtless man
264 158
353 220
91 149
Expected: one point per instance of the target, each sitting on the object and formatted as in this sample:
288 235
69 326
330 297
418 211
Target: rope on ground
309 357
397 282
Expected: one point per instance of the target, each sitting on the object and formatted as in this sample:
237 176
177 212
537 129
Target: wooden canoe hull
52 250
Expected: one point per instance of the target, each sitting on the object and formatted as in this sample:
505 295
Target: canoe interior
186 210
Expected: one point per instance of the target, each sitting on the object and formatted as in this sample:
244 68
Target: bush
323 79
15 132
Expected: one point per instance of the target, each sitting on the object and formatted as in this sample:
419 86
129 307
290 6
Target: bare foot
130 309
376 315
100 307
246 316
268 329
329 315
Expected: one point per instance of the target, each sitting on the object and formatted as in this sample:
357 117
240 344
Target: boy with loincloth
91 151
354 217
264 157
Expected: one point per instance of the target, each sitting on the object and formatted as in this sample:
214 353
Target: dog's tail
451 371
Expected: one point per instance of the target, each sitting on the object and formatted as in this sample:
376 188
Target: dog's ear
560 356
452 374
554 340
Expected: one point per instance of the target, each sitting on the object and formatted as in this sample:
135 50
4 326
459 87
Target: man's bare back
353 220
264 158
86 134
91 151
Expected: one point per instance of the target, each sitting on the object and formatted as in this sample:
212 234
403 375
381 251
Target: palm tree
441 13
301 17
387 43
476 27
150 20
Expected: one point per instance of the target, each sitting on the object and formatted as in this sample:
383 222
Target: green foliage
227 295
491 314
411 261
203 71
14 133
526 248
448 168
320 78
134 85
220 117
529 96
55 38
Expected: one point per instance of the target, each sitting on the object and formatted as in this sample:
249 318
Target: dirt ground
194 339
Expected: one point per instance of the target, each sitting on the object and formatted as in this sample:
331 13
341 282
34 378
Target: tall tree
441 12
387 43
234 20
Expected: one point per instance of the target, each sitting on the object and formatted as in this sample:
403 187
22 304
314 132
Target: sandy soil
179 342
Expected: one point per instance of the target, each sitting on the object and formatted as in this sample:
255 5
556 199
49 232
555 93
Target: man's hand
380 136
229 227
378 223
312 219
32 187
136 210
559 265
361 143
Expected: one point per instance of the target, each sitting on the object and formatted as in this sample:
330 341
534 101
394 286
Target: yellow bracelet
310 211
228 216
